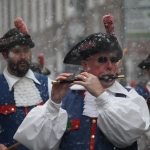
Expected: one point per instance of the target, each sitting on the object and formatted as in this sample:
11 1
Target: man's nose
108 64
22 54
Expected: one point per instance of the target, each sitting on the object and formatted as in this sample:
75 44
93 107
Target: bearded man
20 88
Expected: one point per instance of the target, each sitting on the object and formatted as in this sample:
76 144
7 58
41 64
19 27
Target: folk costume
114 120
18 95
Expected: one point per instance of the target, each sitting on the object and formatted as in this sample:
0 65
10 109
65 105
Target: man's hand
91 83
59 90
3 147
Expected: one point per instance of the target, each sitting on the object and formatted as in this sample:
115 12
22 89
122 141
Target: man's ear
84 65
5 55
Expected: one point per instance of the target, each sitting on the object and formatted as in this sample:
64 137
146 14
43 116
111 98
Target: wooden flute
105 78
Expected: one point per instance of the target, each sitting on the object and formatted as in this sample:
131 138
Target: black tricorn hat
16 36
145 64
94 43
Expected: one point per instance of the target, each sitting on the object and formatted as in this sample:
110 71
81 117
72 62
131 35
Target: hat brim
144 65
73 57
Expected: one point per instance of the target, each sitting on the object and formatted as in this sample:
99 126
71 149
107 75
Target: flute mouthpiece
55 82
121 76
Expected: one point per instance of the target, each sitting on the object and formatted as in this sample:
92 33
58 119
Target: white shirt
44 126
25 91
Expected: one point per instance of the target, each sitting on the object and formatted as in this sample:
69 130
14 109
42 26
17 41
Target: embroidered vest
12 116
83 132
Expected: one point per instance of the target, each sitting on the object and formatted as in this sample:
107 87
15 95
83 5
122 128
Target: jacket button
12 109
92 136
6 111
76 126
93 121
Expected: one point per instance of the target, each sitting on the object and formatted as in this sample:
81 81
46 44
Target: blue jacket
12 116
143 91
78 135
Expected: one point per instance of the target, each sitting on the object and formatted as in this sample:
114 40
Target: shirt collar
11 79
118 88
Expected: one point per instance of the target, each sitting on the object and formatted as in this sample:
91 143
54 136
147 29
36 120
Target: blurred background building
57 25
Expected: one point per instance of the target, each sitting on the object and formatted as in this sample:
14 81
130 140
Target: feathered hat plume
108 21
20 25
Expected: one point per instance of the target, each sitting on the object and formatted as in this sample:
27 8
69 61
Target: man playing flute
89 114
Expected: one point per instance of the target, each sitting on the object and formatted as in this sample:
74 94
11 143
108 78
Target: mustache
110 73
23 61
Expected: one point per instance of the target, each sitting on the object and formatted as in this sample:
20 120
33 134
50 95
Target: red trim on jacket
93 133
83 93
7 109
146 89
93 129
73 125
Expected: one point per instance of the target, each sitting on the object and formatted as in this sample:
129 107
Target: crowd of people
92 112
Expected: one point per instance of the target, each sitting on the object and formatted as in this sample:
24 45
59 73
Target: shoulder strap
122 95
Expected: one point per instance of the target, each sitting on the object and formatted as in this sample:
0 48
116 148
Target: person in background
39 67
94 112
41 61
144 91
20 88
35 67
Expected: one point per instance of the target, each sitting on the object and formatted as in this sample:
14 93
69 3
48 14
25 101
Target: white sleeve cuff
56 105
52 109
102 100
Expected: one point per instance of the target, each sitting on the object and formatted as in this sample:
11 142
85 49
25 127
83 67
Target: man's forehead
19 47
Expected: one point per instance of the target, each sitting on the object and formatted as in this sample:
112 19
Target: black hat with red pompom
16 36
145 64
94 43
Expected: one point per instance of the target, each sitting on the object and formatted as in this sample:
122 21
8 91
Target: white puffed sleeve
43 127
122 120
